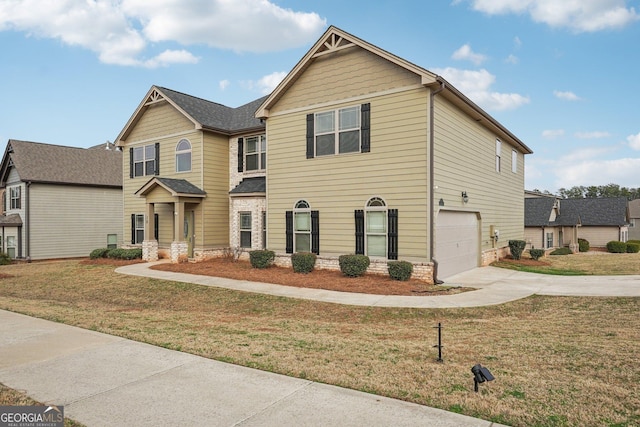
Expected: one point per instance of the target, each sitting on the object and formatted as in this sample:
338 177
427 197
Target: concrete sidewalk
494 286
108 381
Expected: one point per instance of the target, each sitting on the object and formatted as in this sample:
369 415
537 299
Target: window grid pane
349 118
349 142
325 122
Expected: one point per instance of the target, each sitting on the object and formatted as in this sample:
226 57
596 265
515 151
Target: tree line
593 191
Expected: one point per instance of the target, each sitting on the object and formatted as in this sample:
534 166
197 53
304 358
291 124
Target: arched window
376 227
183 156
302 226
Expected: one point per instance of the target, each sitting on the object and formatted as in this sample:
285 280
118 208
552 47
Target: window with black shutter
346 130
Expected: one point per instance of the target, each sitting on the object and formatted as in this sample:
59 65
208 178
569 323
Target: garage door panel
457 242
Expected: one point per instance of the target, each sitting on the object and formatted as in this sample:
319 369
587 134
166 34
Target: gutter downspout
28 222
432 96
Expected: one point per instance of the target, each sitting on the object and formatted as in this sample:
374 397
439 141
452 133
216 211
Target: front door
189 231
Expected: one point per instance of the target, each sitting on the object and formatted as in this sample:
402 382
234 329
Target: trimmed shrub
261 258
616 247
4 259
127 254
400 270
99 253
536 254
303 262
633 248
561 251
353 265
583 245
516 247
633 241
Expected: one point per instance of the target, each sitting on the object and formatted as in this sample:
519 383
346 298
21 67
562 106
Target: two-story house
356 151
193 170
60 202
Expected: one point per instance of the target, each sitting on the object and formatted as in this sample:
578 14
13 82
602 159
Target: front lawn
558 361
586 263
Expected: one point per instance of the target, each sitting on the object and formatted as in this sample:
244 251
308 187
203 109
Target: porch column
150 244
179 245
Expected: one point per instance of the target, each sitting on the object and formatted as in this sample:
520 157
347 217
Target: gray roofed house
554 222
59 201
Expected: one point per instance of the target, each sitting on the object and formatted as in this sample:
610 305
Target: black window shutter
392 234
289 231
155 227
365 126
310 137
240 154
359 216
133 229
157 162
315 232
131 162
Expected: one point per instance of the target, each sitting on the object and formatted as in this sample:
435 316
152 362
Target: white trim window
139 229
498 154
144 160
376 227
255 156
183 156
245 229
15 198
341 138
514 161
302 227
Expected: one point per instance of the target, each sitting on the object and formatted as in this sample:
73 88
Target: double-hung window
144 160
255 153
514 161
346 130
338 131
549 240
139 229
376 227
15 200
302 229
245 229
498 154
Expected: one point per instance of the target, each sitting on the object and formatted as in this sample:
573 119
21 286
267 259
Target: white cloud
585 153
579 16
623 172
477 84
517 43
634 141
268 83
567 96
592 135
223 84
552 133
465 53
120 32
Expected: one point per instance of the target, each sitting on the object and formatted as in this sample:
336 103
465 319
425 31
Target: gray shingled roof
181 186
46 163
11 220
587 212
217 116
251 185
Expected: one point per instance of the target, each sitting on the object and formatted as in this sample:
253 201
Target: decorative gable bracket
333 43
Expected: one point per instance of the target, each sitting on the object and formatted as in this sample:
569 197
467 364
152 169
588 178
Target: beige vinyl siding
349 73
534 237
159 120
215 209
172 127
599 236
464 160
71 221
395 170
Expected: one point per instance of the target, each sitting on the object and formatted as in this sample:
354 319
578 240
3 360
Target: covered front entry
184 197
457 242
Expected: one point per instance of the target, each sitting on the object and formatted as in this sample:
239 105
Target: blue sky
561 75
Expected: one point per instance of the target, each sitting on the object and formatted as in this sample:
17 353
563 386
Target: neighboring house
552 222
60 201
367 153
634 219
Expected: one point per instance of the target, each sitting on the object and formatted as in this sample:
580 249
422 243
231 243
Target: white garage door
457 242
